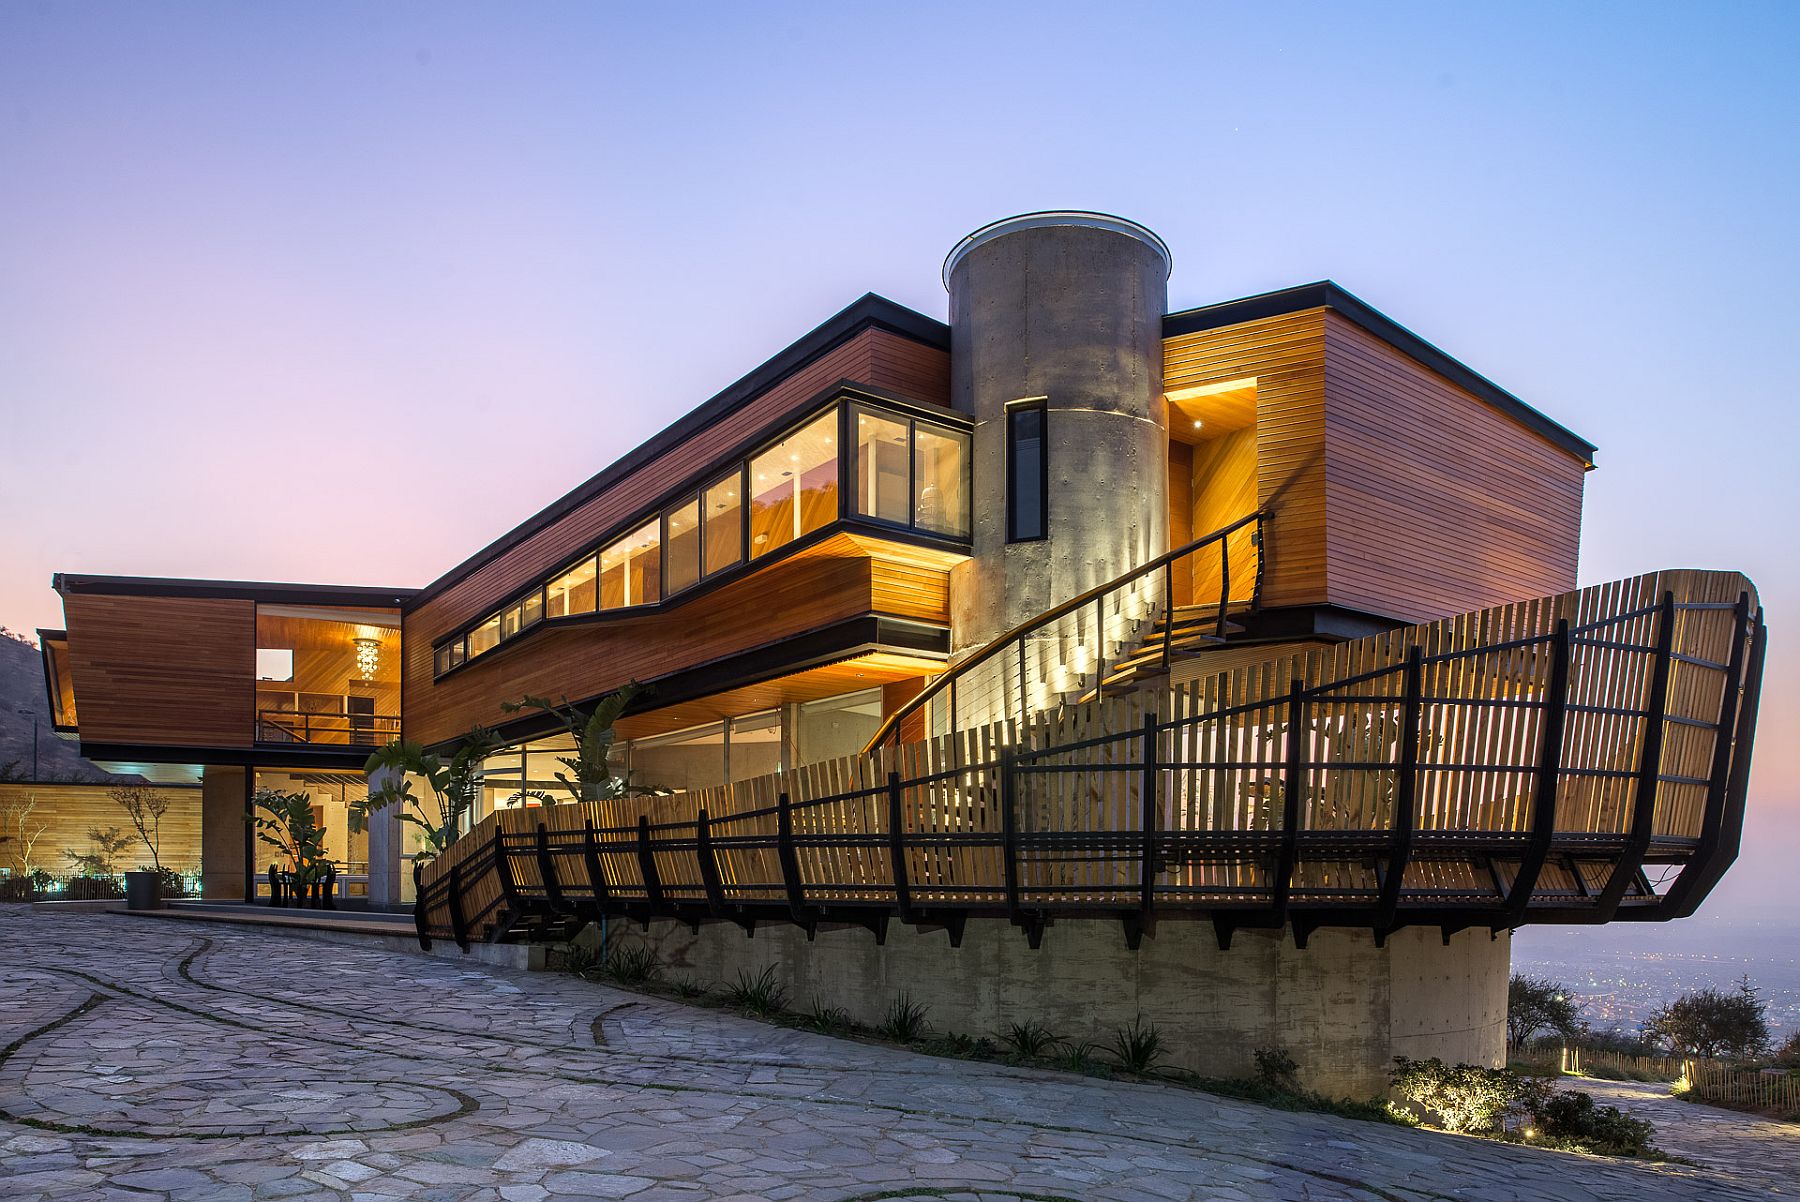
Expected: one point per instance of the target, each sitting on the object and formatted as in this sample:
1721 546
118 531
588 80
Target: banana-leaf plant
589 775
455 785
285 822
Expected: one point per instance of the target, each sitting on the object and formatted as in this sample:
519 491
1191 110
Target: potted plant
145 807
285 822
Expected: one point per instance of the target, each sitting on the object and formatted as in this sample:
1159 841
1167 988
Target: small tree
285 822
1535 1004
1713 1023
1788 1054
22 832
454 783
590 774
145 807
101 859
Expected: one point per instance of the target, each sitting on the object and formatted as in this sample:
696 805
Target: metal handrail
299 727
1021 633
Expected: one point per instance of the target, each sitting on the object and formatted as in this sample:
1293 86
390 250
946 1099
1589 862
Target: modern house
1071 618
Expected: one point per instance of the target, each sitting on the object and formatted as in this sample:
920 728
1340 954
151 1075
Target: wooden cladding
826 583
170 671
874 357
43 824
1393 491
1436 502
1520 763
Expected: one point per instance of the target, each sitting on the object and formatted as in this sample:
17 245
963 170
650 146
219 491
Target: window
724 522
793 486
572 592
274 663
941 480
484 637
631 569
681 540
883 467
1027 475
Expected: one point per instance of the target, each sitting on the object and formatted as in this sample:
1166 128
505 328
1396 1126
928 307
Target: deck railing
1168 605
326 726
1533 762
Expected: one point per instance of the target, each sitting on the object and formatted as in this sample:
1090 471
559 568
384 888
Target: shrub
634 964
1572 1118
1788 1054
1276 1069
1138 1047
829 1019
1029 1039
688 989
761 995
1465 1097
964 1047
1713 1023
17 889
905 1020
1079 1058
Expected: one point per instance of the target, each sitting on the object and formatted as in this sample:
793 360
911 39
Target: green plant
286 822
1276 1069
1465 1097
963 1047
687 988
829 1019
455 785
1138 1047
1572 1118
1079 1057
761 995
1788 1054
632 964
101 859
905 1020
590 773
1029 1039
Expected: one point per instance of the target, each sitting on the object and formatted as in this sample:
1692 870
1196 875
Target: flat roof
1327 295
67 583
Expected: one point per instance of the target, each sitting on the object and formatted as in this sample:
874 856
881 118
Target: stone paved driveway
149 1059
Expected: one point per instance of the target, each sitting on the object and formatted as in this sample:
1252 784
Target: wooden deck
1578 758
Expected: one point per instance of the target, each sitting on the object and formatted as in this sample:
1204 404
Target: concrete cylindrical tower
1066 307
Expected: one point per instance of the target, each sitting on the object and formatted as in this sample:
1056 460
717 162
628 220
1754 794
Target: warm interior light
1198 423
368 657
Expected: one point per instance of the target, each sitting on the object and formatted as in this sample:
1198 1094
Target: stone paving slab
152 1060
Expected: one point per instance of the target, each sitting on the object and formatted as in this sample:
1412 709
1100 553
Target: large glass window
1025 473
793 486
882 467
941 480
573 592
631 569
681 542
484 637
724 500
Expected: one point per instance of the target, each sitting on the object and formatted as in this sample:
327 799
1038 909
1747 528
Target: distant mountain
29 748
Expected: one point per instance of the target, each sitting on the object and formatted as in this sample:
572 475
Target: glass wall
330 794
837 726
326 675
907 472
793 486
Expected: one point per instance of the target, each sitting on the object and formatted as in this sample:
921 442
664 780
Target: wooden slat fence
1530 762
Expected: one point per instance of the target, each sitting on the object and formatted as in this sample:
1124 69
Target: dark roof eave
271 592
868 311
1327 295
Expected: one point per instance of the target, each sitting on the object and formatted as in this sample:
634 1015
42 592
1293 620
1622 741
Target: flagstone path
147 1060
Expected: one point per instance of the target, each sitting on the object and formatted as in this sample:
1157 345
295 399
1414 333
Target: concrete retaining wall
1342 1007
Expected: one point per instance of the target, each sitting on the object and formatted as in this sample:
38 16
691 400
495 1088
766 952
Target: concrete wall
1342 1007
222 833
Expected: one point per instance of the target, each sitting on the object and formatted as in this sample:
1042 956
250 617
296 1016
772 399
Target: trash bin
143 891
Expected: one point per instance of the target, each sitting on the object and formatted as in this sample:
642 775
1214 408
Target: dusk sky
340 293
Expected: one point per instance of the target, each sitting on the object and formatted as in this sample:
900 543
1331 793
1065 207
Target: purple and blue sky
341 292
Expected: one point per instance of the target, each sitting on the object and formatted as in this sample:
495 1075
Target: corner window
941 480
1027 473
883 467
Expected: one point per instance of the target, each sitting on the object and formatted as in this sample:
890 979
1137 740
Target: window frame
1040 407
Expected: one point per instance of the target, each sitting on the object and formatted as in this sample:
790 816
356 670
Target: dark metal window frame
1039 406
844 399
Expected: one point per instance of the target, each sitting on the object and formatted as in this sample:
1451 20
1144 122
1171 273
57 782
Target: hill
29 748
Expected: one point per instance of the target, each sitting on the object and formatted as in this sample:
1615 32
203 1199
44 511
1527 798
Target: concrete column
222 832
386 841
1067 307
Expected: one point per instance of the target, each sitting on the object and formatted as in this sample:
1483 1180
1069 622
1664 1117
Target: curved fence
1578 758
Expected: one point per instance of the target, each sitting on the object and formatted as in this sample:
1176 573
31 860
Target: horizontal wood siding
874 357
787 599
171 671
1437 502
66 813
1286 355
915 591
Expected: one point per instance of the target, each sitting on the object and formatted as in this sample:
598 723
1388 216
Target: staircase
1119 637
